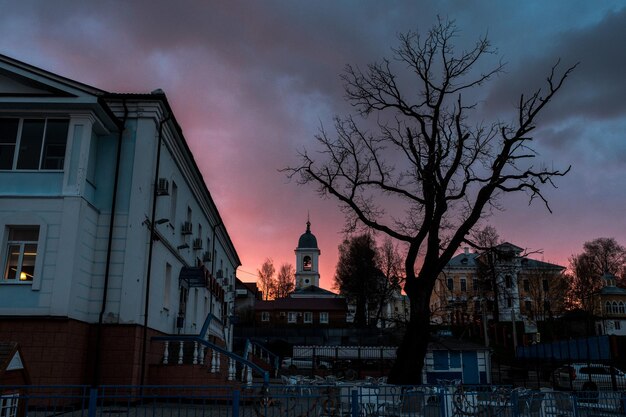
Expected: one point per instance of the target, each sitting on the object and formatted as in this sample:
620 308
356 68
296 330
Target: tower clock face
306 263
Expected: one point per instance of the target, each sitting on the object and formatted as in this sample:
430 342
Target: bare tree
285 280
599 256
429 158
266 279
390 262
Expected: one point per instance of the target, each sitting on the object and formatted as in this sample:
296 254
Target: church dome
308 239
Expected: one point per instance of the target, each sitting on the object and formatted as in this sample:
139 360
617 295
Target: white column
180 353
195 353
166 353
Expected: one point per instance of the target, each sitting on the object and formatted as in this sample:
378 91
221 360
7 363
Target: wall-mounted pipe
107 272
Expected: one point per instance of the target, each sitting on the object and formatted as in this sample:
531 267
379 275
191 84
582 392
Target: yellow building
499 284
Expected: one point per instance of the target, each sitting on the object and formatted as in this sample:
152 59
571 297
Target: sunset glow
251 83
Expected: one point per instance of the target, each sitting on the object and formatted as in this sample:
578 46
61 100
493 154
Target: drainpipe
107 271
151 246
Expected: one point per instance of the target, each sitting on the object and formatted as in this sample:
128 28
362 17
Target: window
324 317
33 144
306 263
265 316
545 285
463 284
621 308
618 325
21 253
292 317
526 285
8 405
546 306
527 306
450 284
308 317
475 284
508 281
509 302
607 307
440 360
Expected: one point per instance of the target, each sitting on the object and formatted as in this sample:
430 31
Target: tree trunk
407 369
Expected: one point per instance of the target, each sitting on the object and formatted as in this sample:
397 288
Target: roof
302 304
612 290
470 260
450 343
307 239
312 291
463 260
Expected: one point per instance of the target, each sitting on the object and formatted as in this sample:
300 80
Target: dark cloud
250 83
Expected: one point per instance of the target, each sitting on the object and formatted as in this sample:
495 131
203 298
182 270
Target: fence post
515 403
355 403
236 395
93 402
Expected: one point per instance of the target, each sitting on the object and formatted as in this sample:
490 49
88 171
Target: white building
86 178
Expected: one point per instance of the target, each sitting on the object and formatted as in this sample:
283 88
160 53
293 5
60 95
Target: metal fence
304 398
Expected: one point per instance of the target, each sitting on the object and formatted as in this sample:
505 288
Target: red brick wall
60 351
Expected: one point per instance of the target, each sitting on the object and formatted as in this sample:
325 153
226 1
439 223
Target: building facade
501 282
609 305
108 233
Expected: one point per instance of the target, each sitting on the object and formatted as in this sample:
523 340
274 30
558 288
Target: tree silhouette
285 280
266 280
429 159
599 256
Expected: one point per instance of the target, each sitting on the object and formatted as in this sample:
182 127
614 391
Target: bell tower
307 260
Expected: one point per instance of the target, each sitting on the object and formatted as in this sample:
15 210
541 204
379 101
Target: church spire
308 222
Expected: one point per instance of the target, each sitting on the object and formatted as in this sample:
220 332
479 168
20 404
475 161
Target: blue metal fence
299 400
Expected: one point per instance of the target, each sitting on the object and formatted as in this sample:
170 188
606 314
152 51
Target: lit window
292 317
33 144
265 316
306 263
21 253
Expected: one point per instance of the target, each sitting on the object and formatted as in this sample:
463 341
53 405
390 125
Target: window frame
324 317
265 316
24 220
15 159
307 317
292 317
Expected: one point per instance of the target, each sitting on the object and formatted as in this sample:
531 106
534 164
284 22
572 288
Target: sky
251 83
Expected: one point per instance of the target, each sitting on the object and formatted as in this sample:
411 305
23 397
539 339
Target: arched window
607 307
614 307
306 263
620 307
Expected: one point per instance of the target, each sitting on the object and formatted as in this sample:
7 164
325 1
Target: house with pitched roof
501 282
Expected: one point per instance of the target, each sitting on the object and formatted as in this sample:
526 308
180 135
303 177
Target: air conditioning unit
197 244
187 228
206 256
163 187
